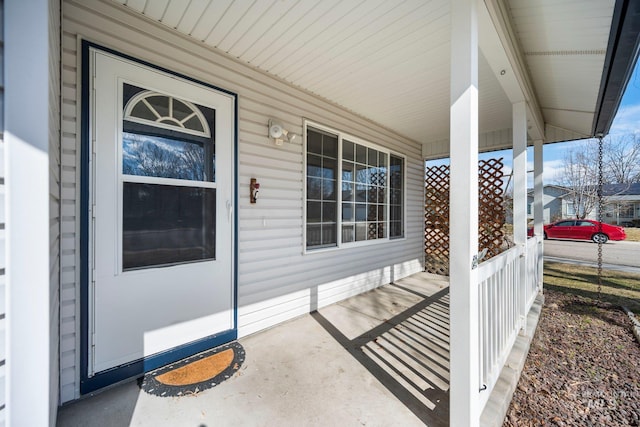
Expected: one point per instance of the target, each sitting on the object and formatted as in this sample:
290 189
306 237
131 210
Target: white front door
161 220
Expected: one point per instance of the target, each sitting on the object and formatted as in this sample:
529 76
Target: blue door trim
137 368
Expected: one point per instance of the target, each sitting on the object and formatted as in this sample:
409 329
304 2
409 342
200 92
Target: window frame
404 196
142 96
627 210
340 245
125 178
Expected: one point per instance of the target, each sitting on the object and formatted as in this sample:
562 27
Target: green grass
618 287
633 234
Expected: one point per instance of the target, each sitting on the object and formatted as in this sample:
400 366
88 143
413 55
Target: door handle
229 210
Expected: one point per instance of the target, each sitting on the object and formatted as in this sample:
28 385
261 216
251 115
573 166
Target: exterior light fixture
279 134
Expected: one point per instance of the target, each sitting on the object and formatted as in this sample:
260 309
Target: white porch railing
503 307
534 257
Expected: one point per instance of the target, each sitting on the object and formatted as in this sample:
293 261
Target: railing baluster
501 300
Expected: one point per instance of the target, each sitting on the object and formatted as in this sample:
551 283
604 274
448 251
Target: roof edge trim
622 53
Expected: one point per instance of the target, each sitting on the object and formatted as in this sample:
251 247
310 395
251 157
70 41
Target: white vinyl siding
276 282
69 223
571 210
54 204
3 345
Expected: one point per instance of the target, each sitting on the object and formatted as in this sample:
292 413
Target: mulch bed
583 368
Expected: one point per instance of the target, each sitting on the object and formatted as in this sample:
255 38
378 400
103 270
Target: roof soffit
500 43
389 61
386 61
564 46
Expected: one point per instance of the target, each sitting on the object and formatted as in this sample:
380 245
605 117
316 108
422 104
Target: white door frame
90 382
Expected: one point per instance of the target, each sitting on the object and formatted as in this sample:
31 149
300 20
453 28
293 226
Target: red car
582 229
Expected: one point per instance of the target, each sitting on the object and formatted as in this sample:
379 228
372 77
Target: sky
626 121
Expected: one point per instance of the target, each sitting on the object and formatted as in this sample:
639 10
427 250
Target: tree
621 159
580 177
166 158
620 165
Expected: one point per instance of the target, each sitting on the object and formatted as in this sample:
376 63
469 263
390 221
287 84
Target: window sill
353 245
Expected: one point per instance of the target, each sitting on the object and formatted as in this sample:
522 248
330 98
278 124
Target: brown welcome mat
196 373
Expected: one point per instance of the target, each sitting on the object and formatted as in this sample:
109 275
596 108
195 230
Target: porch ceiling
389 61
564 44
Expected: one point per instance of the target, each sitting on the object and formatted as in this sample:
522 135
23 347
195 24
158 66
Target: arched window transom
165 111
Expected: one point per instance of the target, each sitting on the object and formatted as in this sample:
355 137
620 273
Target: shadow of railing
408 354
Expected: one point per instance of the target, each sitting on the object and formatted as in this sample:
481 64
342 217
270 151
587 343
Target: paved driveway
617 253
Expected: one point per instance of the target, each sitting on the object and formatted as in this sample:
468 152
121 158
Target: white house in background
557 203
621 204
123 116
553 203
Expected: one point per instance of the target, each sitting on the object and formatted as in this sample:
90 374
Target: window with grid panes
371 196
364 187
322 183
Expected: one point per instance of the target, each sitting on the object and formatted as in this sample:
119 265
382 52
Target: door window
168 175
159 206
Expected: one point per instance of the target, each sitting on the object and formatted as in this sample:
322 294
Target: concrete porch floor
377 359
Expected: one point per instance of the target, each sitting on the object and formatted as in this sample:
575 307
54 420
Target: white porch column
538 203
520 173
520 195
464 345
28 299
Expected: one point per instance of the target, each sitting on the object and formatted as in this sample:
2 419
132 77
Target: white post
464 345
520 197
520 173
538 205
29 302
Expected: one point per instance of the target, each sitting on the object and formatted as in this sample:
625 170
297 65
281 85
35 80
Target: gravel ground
583 368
